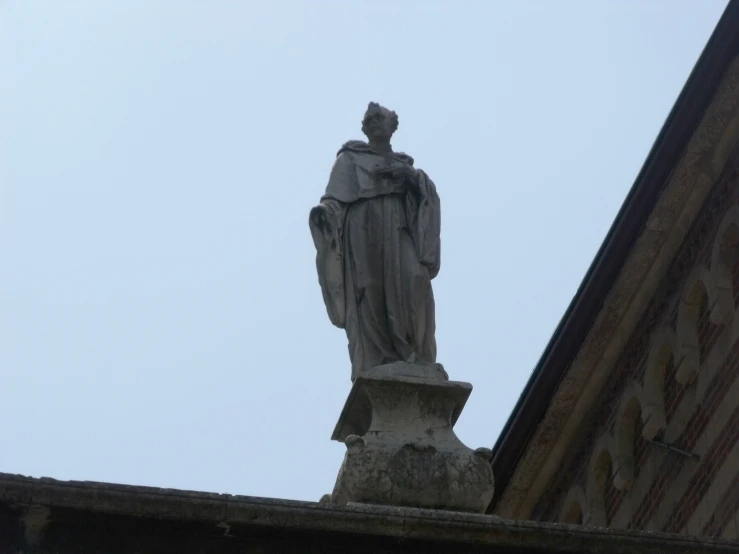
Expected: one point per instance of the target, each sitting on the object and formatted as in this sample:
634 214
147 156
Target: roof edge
242 516
628 225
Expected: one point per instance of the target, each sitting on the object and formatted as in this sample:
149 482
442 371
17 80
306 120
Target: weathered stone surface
401 446
377 238
45 516
376 233
357 413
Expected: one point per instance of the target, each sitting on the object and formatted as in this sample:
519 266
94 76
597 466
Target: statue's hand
401 172
319 218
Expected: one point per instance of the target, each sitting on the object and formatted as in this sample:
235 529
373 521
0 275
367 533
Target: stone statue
376 233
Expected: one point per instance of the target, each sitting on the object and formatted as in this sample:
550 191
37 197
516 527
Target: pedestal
397 425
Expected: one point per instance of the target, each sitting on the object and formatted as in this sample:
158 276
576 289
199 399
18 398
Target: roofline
686 114
93 513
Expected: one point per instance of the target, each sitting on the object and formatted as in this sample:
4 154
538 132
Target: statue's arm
322 216
327 219
425 217
326 222
327 228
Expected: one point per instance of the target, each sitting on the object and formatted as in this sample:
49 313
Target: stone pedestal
397 425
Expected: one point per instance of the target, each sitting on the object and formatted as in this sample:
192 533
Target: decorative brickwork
676 385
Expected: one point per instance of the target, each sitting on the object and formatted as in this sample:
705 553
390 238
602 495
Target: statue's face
377 124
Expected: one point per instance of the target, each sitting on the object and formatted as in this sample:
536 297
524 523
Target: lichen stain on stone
34 521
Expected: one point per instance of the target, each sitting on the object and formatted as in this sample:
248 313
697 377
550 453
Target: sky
161 321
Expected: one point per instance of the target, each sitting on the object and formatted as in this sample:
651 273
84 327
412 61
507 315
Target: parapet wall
44 516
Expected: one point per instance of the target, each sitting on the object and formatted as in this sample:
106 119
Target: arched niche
574 507
695 299
723 259
653 397
600 473
625 436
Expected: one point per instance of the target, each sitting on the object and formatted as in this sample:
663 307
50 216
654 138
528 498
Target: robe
378 248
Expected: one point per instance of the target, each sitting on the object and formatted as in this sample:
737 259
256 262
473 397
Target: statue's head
379 123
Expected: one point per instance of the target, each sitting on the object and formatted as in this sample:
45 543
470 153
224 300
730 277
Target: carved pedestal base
401 448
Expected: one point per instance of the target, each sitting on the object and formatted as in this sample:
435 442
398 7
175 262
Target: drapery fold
377 248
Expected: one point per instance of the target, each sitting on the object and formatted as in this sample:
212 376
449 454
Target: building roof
629 224
45 515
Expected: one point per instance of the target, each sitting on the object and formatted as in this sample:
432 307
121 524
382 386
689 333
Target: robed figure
376 233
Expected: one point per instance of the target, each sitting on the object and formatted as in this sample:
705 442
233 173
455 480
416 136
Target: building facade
631 418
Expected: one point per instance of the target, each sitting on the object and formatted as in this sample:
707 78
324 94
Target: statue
376 233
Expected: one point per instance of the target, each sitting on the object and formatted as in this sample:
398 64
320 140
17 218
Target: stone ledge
242 516
356 415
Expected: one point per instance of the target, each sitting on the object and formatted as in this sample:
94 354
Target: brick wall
676 383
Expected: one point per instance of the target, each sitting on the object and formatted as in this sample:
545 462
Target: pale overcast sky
160 316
